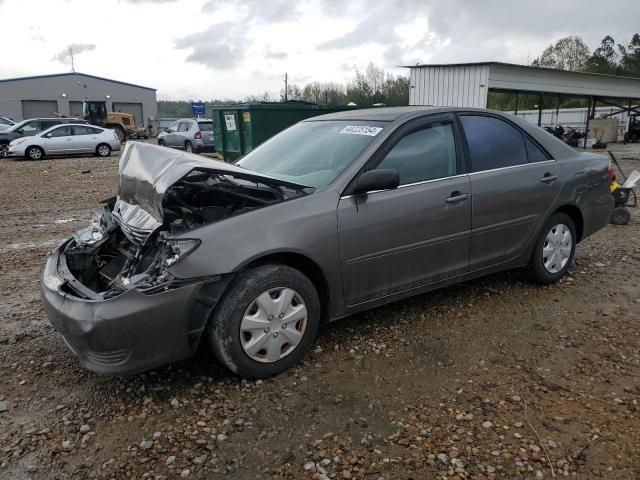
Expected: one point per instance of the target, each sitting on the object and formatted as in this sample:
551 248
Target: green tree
569 53
630 57
604 59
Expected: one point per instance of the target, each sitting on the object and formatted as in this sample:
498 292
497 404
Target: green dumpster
239 128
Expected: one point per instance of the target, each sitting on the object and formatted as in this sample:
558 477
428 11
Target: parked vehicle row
5 123
65 138
189 134
30 127
334 215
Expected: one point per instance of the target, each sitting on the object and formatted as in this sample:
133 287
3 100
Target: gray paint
371 249
466 85
76 87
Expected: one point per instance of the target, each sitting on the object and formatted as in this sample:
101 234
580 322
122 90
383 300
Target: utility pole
73 67
286 87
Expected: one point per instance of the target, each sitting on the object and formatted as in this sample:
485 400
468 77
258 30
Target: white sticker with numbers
230 121
361 130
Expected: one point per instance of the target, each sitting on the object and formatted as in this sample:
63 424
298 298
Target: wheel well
576 215
309 268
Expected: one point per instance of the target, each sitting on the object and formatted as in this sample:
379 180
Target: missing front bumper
133 331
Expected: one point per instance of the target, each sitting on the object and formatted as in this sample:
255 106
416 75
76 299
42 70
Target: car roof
384 114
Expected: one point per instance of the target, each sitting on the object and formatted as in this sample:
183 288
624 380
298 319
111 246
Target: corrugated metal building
63 94
469 84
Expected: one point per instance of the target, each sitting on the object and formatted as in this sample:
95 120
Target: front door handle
548 178
457 197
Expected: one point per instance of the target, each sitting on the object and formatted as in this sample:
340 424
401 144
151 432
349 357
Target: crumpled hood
146 172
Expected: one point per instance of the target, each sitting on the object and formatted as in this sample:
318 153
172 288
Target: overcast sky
205 49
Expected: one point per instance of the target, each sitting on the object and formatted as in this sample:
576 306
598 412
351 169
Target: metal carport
468 85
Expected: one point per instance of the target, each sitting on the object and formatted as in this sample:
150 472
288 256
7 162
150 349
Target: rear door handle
457 197
548 178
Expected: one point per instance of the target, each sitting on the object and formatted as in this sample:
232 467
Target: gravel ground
494 378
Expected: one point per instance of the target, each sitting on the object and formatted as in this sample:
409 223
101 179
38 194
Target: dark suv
30 127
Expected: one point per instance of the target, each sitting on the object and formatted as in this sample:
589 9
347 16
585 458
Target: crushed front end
110 291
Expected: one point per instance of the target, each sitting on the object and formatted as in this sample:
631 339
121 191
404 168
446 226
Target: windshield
19 125
312 153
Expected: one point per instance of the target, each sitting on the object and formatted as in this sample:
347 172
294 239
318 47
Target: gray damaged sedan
335 215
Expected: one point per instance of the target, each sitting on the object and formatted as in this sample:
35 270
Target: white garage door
39 108
133 108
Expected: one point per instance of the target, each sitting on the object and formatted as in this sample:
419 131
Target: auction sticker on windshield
361 130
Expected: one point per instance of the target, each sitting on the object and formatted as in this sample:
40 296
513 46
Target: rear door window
184 127
81 131
60 132
46 124
493 143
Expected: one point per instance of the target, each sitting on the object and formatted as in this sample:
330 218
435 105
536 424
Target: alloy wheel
103 150
273 325
556 249
35 154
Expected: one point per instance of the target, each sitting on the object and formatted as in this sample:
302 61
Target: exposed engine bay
111 256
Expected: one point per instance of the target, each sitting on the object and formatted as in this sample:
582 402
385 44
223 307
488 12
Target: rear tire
122 135
554 250
188 146
103 150
620 216
4 149
34 153
269 296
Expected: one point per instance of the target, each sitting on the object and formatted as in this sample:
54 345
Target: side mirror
382 179
48 135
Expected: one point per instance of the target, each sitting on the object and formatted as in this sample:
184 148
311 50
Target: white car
66 139
6 123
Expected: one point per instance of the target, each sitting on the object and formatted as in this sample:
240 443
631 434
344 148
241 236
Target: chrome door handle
548 178
457 197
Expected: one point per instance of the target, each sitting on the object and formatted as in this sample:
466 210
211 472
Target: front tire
4 149
34 153
554 250
266 321
103 150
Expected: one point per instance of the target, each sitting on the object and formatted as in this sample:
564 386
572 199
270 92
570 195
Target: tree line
572 54
610 58
371 87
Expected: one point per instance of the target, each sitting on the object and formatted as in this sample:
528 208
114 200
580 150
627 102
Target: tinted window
95 130
423 155
493 143
60 132
534 152
206 126
45 124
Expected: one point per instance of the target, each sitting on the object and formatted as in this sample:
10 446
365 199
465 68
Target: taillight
612 176
198 135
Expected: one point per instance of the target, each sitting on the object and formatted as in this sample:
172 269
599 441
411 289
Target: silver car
66 139
335 215
189 134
